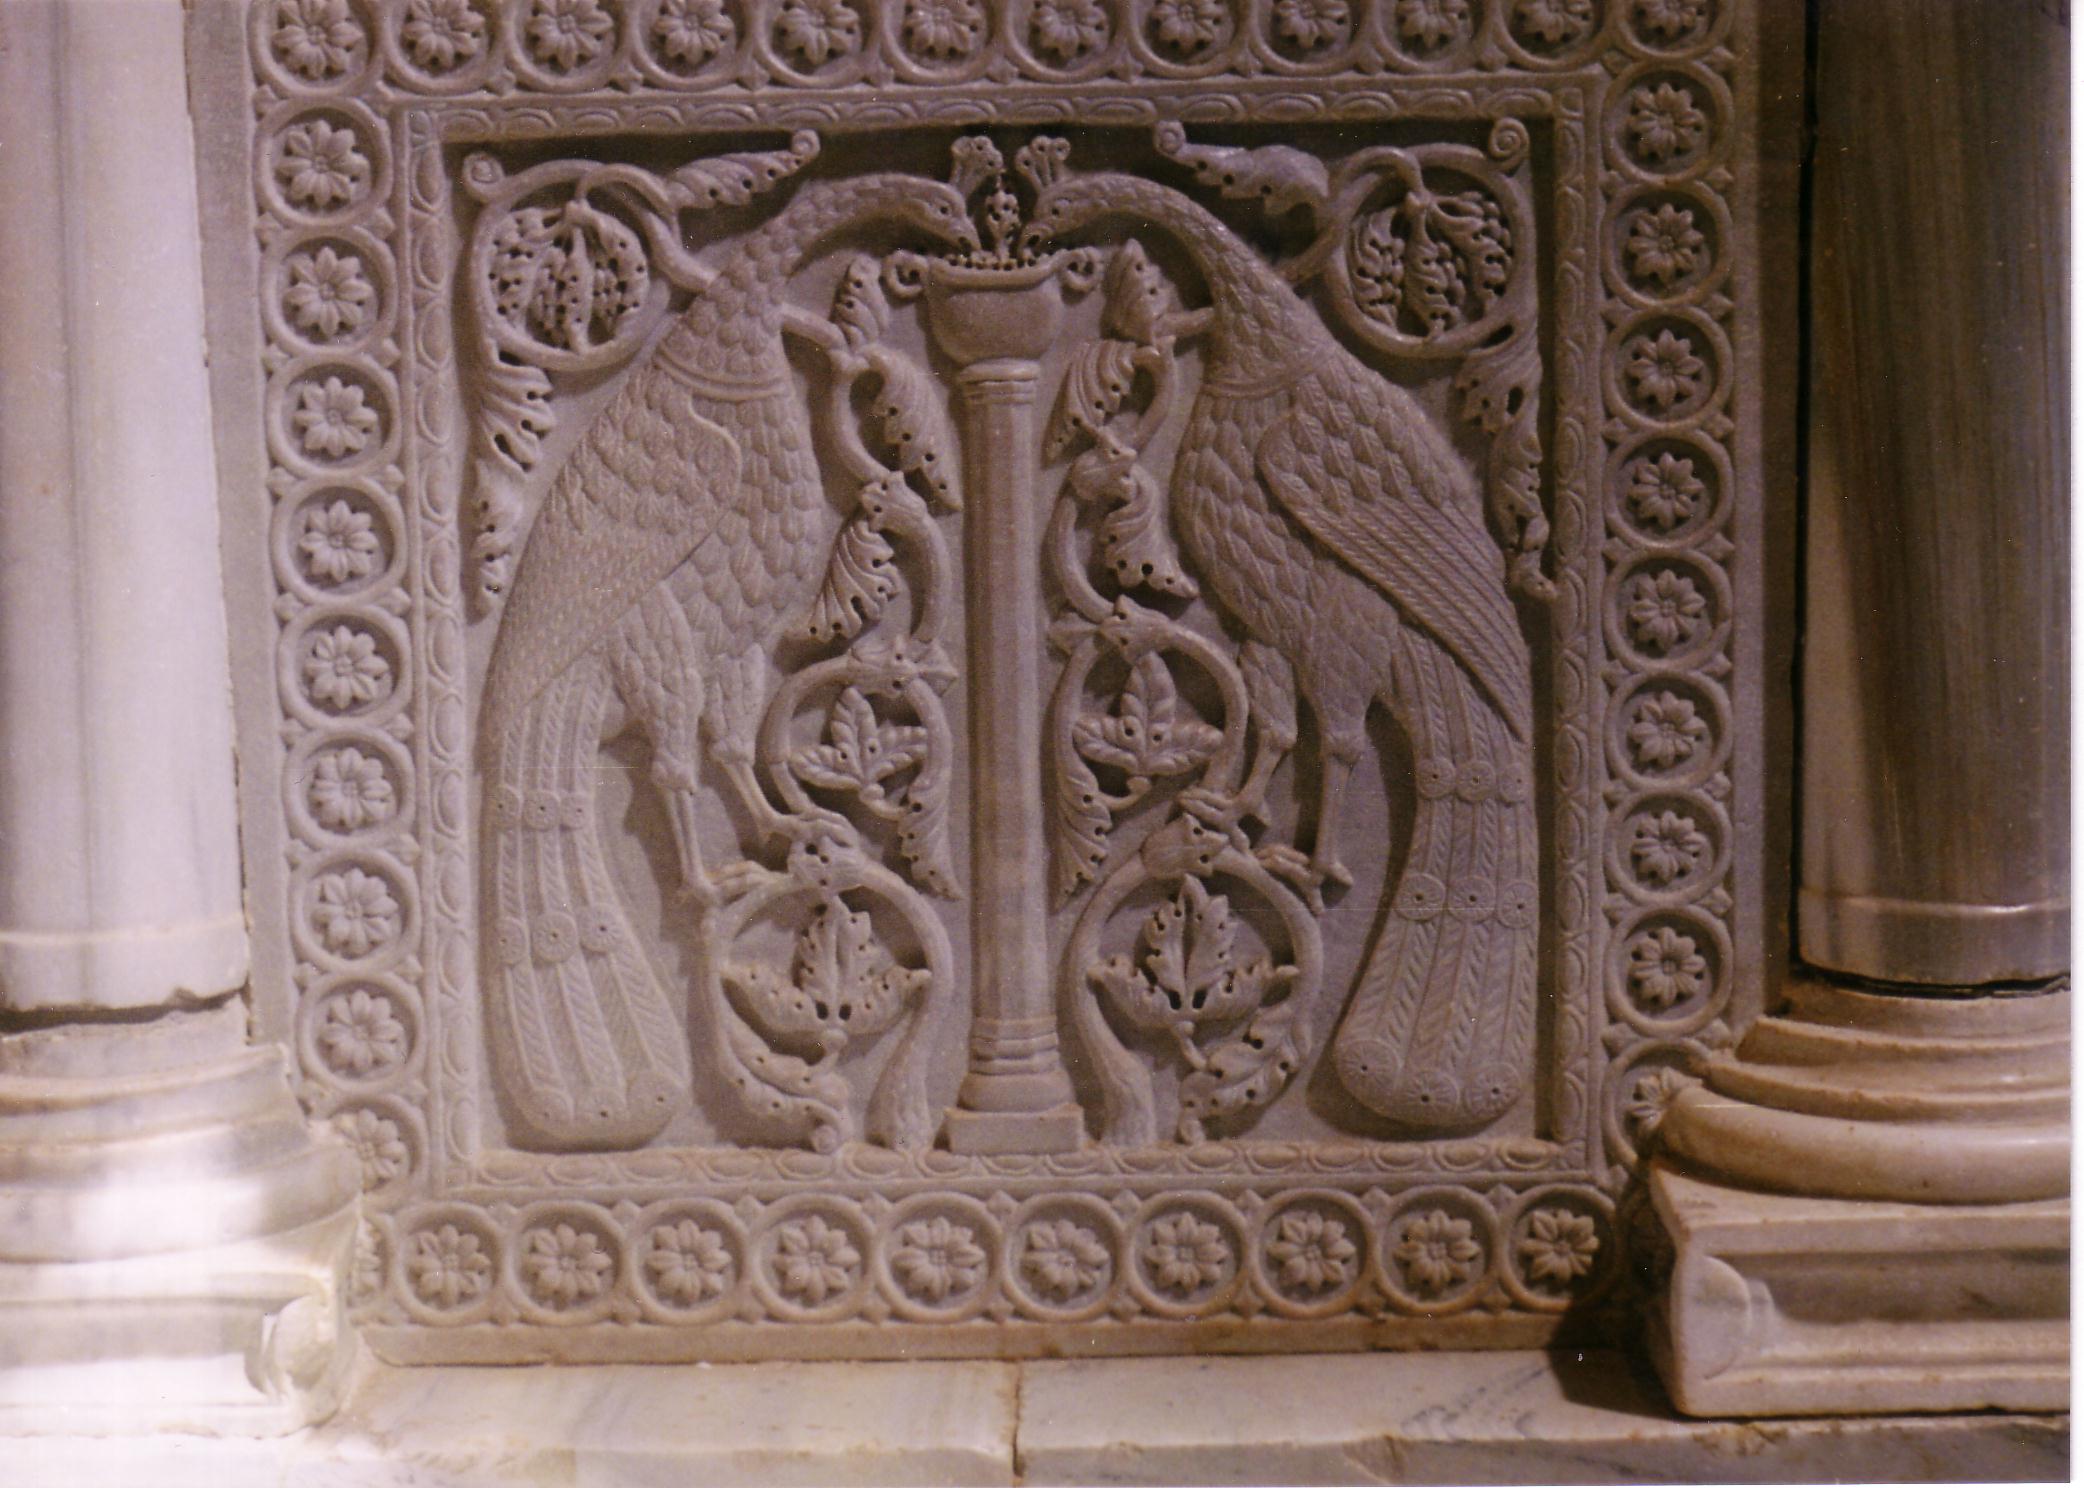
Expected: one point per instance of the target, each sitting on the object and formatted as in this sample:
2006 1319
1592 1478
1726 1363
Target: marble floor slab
1506 1417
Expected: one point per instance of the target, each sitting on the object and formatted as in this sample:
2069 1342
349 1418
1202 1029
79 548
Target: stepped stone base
1806 1306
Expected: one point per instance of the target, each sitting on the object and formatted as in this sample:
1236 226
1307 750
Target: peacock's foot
1220 813
815 824
1301 872
729 882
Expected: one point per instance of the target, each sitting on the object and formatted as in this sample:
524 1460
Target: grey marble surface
1504 1417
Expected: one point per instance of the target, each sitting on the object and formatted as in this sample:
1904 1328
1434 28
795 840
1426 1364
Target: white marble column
1870 1198
172 1237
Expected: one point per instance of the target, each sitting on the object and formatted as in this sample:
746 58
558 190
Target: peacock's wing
642 491
1376 495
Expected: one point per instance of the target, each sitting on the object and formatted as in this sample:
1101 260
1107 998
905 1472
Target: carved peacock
688 527
1329 515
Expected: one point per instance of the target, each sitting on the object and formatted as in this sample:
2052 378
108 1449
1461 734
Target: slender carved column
1923 1060
997 321
171 1237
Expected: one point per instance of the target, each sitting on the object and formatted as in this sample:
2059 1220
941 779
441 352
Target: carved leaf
513 417
1189 974
1139 296
1284 177
1081 819
915 424
1248 1069
844 984
860 308
1136 540
859 582
863 752
733 180
1093 391
922 832
1146 736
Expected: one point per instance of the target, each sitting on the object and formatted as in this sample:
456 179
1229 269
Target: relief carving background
730 462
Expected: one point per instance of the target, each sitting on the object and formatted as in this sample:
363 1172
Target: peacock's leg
1270 688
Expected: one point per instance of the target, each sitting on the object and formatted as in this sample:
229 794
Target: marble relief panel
985 678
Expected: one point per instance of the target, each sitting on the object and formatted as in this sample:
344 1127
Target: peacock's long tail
583 1041
1439 1034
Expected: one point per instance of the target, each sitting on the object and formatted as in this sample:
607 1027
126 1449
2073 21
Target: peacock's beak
1033 236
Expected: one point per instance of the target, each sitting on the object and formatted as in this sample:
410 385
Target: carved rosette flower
328 294
1667 846
1430 25
1067 31
1188 28
377 1143
354 912
344 670
689 1264
360 1036
814 1260
1553 23
1670 20
935 1259
1311 25
690 32
1665 610
333 418
1665 123
1664 371
1558 1247
1665 968
448 1267
1310 1253
1062 1259
1436 1252
1663 244
565 1265
350 790
321 165
319 40
1186 1255
1663 492
815 32
1650 1094
339 543
566 35
442 35
942 30
1664 731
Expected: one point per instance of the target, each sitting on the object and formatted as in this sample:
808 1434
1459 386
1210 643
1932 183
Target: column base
993 1133
248 1339
175 1240
1787 1305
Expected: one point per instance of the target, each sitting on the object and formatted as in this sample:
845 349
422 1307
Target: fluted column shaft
1935 725
119 869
